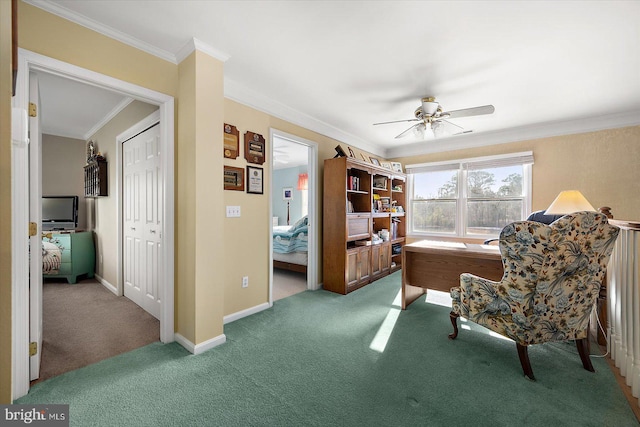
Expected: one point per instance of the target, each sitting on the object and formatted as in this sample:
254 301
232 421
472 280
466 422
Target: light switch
233 211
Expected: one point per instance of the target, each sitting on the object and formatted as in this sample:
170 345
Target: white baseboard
203 346
244 313
106 284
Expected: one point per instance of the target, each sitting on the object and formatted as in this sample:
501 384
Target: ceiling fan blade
396 121
418 128
466 112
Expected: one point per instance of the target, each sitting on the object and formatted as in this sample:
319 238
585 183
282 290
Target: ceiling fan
430 115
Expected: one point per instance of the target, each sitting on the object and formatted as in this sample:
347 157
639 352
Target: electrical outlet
245 282
233 211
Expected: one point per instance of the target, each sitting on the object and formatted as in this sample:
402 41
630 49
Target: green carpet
307 361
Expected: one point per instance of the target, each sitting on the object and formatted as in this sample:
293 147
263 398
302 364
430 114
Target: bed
290 243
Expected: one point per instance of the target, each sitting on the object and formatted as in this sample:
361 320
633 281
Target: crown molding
522 133
63 12
240 93
106 119
196 44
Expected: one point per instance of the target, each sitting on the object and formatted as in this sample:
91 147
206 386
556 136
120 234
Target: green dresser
78 255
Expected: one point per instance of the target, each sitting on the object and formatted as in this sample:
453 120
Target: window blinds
524 158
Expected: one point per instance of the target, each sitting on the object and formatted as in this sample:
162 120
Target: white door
35 242
142 218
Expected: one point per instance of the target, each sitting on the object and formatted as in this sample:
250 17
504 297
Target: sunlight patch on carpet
381 339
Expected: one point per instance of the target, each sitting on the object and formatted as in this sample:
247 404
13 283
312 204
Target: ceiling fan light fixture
418 130
438 129
429 106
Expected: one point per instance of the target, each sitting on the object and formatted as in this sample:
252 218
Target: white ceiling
549 68
73 109
288 154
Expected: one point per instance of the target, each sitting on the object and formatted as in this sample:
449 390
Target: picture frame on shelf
374 161
340 152
255 181
364 157
386 165
233 178
396 167
351 153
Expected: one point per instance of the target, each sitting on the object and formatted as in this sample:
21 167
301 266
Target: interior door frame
30 61
313 241
35 215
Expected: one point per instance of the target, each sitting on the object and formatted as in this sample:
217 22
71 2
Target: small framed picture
287 193
374 161
233 178
363 157
396 167
386 165
351 154
255 183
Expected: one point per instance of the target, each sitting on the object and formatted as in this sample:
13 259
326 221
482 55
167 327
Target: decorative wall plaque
231 141
233 178
254 148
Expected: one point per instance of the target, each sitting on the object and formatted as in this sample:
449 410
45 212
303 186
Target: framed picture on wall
255 183
287 193
233 178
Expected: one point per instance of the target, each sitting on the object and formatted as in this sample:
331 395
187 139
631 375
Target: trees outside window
469 198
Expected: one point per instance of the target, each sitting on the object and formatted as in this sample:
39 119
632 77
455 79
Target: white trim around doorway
313 238
29 61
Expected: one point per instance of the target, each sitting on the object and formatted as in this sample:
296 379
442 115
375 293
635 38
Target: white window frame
522 158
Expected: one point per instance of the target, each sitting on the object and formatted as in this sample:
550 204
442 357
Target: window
470 197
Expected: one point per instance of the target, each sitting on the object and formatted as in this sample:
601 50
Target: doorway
293 215
82 322
23 302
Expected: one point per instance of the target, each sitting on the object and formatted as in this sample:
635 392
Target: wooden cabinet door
351 273
376 267
385 258
365 270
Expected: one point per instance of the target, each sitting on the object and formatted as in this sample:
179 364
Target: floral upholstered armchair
552 277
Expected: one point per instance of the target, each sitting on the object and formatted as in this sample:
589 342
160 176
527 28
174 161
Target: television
59 212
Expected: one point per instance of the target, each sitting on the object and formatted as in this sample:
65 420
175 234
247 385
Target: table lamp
568 202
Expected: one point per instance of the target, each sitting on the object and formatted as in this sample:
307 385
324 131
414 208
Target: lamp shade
568 202
303 181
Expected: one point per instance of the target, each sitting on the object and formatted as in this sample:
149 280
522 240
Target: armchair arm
500 306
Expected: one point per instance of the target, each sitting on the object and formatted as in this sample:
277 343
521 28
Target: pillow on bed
302 222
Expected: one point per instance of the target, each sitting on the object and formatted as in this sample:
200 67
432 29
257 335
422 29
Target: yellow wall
210 266
102 212
247 238
185 225
5 202
199 246
603 165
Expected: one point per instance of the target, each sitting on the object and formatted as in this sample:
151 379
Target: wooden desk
438 265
